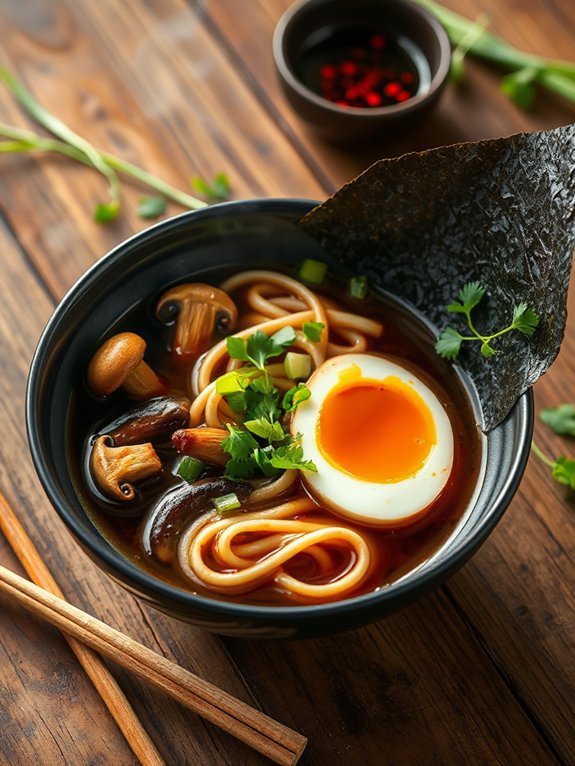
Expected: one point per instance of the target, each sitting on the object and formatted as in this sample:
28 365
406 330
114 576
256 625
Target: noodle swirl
209 552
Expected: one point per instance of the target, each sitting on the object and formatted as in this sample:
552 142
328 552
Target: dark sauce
399 551
360 68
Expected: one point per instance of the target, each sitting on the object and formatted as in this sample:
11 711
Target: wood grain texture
482 672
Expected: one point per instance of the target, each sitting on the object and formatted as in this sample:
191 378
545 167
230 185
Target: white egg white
372 503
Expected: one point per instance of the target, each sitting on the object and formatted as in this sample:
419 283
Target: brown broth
398 551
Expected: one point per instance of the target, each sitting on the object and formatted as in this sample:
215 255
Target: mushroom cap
198 292
114 361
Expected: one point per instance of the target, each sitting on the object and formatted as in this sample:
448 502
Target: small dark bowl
236 235
342 124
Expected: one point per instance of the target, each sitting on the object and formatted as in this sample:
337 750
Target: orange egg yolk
377 431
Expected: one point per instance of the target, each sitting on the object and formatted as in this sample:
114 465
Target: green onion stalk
526 69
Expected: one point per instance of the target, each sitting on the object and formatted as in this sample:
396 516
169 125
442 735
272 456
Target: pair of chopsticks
45 599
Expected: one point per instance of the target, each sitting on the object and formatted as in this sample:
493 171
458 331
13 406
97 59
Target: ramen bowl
232 236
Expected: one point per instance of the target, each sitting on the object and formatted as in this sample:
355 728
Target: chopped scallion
189 468
312 271
297 366
226 504
358 287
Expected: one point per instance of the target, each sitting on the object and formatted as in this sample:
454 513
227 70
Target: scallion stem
226 504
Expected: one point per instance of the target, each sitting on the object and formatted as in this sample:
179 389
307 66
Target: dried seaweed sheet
499 211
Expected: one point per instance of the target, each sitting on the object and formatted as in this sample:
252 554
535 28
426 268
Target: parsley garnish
448 345
561 419
295 396
259 347
562 469
291 456
218 190
260 445
151 207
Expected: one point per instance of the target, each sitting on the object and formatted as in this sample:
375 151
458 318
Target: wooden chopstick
105 683
279 743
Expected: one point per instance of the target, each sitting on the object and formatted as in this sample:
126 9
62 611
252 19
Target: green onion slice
297 366
189 468
358 287
226 504
312 271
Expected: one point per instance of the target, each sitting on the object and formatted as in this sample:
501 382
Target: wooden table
480 672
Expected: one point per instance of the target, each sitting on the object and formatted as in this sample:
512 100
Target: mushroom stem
195 325
143 383
114 468
204 443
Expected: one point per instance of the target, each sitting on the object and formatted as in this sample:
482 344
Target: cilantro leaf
240 444
563 471
561 419
237 401
524 319
237 348
291 456
262 405
486 350
295 396
262 458
448 344
265 429
151 207
219 189
106 212
241 469
469 296
313 331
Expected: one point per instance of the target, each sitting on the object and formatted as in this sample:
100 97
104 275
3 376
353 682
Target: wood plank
158 91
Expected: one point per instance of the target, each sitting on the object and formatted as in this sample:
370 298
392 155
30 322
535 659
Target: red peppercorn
378 42
373 99
328 72
349 68
403 95
392 89
407 78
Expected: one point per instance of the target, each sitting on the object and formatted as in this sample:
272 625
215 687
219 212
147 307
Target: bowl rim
287 74
119 567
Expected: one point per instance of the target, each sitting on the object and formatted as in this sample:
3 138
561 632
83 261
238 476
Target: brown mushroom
174 509
153 421
198 310
120 362
204 443
113 468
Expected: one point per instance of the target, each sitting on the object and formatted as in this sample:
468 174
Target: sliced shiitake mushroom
154 421
173 510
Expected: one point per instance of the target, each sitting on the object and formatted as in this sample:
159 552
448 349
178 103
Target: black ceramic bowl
305 22
194 245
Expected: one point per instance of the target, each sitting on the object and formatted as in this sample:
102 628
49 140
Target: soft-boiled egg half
380 438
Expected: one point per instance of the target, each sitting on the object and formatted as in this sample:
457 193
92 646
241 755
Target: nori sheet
501 212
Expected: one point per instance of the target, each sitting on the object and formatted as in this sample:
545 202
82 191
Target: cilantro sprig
561 420
259 444
562 468
448 345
